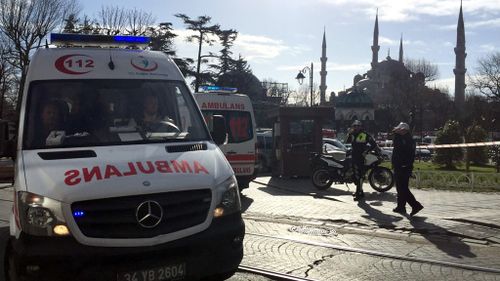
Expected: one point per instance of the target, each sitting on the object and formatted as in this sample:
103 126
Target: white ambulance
240 148
116 175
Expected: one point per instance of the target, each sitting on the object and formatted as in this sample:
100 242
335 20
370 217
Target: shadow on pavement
245 202
381 219
457 248
299 186
381 196
4 238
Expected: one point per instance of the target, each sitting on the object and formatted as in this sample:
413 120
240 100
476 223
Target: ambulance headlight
39 215
229 201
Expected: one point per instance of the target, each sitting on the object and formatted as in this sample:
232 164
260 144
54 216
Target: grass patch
430 166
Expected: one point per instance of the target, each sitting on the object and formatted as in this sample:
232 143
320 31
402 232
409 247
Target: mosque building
383 84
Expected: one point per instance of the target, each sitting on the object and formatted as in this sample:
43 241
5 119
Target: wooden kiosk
297 132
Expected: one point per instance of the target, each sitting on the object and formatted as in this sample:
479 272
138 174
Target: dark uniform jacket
403 154
361 142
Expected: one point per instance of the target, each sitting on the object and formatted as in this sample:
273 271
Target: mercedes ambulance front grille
119 217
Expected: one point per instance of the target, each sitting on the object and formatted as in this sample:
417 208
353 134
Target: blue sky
280 37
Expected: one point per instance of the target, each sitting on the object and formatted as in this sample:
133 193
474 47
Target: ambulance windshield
76 113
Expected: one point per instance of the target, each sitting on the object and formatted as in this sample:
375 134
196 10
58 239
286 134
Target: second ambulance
240 148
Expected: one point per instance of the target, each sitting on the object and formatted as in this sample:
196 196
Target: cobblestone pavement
459 228
285 218
464 214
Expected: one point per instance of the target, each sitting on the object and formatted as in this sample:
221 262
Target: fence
469 180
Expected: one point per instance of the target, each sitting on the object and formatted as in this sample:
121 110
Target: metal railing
447 179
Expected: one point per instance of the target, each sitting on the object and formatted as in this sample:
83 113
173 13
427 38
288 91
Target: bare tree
302 97
26 23
277 90
7 73
138 22
429 70
112 20
487 78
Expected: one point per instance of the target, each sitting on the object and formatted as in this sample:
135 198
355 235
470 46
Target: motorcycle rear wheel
321 179
381 179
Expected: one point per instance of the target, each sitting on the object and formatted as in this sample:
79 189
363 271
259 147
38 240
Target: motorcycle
326 170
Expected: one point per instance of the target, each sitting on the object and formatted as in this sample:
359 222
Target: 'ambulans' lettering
184 167
163 167
111 171
199 168
223 105
74 177
95 171
150 169
131 170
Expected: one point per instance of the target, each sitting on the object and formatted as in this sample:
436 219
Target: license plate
161 273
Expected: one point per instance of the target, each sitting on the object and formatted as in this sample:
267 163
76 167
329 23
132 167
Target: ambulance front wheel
243 182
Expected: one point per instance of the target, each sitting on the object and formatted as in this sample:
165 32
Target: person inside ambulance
77 121
152 118
50 130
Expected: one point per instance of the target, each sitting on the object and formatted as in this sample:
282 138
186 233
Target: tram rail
380 254
271 274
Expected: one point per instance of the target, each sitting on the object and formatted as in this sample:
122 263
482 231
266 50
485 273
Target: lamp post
300 78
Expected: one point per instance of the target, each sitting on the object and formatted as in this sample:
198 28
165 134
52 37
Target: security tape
459 145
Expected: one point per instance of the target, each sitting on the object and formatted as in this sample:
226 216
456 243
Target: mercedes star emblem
149 214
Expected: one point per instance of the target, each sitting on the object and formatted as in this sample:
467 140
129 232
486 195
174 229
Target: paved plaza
324 235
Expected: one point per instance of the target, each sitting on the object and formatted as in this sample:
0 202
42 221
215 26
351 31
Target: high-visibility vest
361 138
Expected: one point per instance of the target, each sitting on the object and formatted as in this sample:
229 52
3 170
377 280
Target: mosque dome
354 99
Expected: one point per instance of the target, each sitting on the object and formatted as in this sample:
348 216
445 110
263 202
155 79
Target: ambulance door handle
231 152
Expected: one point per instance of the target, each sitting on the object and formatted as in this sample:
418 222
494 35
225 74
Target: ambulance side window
238 124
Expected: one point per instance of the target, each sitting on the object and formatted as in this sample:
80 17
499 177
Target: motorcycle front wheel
321 179
381 179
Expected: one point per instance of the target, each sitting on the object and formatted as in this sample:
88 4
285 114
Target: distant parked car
334 147
264 149
423 154
386 153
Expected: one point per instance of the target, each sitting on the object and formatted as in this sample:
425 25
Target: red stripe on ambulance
74 177
240 157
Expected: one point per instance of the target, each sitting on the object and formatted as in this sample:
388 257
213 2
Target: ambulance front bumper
218 249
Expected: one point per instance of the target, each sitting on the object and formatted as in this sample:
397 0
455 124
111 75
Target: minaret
460 69
322 87
375 46
401 49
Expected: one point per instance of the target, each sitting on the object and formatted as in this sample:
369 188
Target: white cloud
359 67
484 23
448 44
407 10
387 41
356 67
488 48
261 48
444 83
254 48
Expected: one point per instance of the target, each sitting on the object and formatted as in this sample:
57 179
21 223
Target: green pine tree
450 134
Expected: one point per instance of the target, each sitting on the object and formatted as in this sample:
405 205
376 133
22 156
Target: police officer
403 156
361 143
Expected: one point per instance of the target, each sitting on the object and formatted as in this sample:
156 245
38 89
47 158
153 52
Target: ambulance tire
243 183
12 267
221 276
4 239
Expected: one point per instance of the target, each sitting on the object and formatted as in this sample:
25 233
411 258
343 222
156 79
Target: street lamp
300 78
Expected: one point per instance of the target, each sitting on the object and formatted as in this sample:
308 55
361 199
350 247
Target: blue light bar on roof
219 89
67 38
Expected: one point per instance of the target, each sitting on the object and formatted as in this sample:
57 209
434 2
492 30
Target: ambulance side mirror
219 133
7 146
